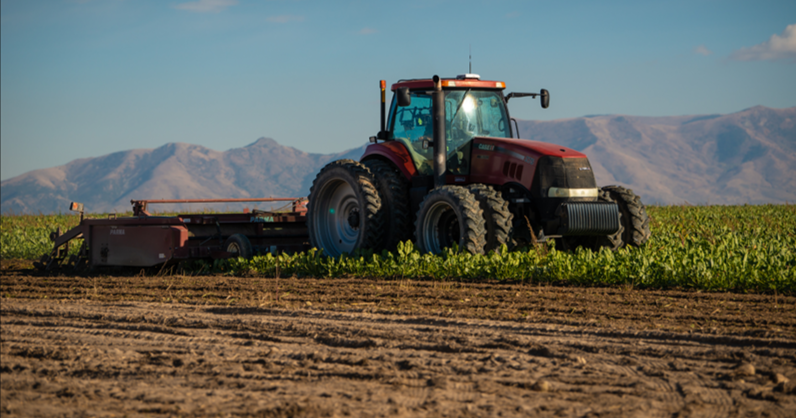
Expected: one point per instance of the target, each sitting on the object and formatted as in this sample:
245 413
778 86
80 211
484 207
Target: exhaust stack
440 142
383 85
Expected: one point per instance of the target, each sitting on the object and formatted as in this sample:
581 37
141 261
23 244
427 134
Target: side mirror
404 98
545 98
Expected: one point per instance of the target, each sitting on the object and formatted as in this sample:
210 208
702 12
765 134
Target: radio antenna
471 59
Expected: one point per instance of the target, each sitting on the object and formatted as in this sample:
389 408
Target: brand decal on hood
501 150
514 154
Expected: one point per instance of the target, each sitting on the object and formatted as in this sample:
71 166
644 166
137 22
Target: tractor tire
239 244
394 193
633 219
497 217
344 213
614 241
450 215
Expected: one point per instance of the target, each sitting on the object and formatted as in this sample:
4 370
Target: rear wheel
344 210
394 193
450 215
497 217
239 245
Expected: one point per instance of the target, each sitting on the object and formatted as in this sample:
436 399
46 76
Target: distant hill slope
744 157
173 171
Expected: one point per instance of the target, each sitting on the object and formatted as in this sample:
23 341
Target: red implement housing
144 240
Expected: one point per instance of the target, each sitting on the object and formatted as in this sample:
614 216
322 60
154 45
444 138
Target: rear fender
396 153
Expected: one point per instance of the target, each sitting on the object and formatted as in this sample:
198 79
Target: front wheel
450 215
344 211
635 222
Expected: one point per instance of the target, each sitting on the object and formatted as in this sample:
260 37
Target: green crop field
28 236
739 248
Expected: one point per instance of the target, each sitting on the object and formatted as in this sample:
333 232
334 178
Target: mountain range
174 171
743 157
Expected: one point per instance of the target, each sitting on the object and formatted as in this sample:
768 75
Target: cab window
411 125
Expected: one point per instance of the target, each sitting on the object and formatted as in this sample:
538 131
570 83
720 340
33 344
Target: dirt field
222 346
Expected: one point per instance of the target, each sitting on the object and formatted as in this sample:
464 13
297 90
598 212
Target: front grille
590 218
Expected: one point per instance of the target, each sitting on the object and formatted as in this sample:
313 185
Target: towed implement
144 240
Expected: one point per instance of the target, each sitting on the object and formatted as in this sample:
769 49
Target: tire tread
634 218
498 219
394 193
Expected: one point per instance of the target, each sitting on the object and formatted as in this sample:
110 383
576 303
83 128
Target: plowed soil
239 346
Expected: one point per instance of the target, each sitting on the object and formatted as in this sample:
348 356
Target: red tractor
446 169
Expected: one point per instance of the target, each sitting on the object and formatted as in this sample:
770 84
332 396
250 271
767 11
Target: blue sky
85 78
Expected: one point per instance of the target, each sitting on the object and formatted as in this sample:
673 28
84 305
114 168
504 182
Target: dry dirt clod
745 369
779 378
541 386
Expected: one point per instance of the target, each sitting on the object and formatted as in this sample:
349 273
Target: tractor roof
465 81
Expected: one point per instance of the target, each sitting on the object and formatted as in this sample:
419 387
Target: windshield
468 113
472 113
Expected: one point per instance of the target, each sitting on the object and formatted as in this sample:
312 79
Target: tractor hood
500 161
534 149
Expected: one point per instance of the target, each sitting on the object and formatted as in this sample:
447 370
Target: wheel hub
353 219
442 226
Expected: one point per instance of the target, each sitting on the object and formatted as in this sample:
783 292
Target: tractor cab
473 108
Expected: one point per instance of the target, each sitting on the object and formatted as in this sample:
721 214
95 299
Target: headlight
564 192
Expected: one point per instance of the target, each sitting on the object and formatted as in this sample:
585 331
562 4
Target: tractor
447 169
